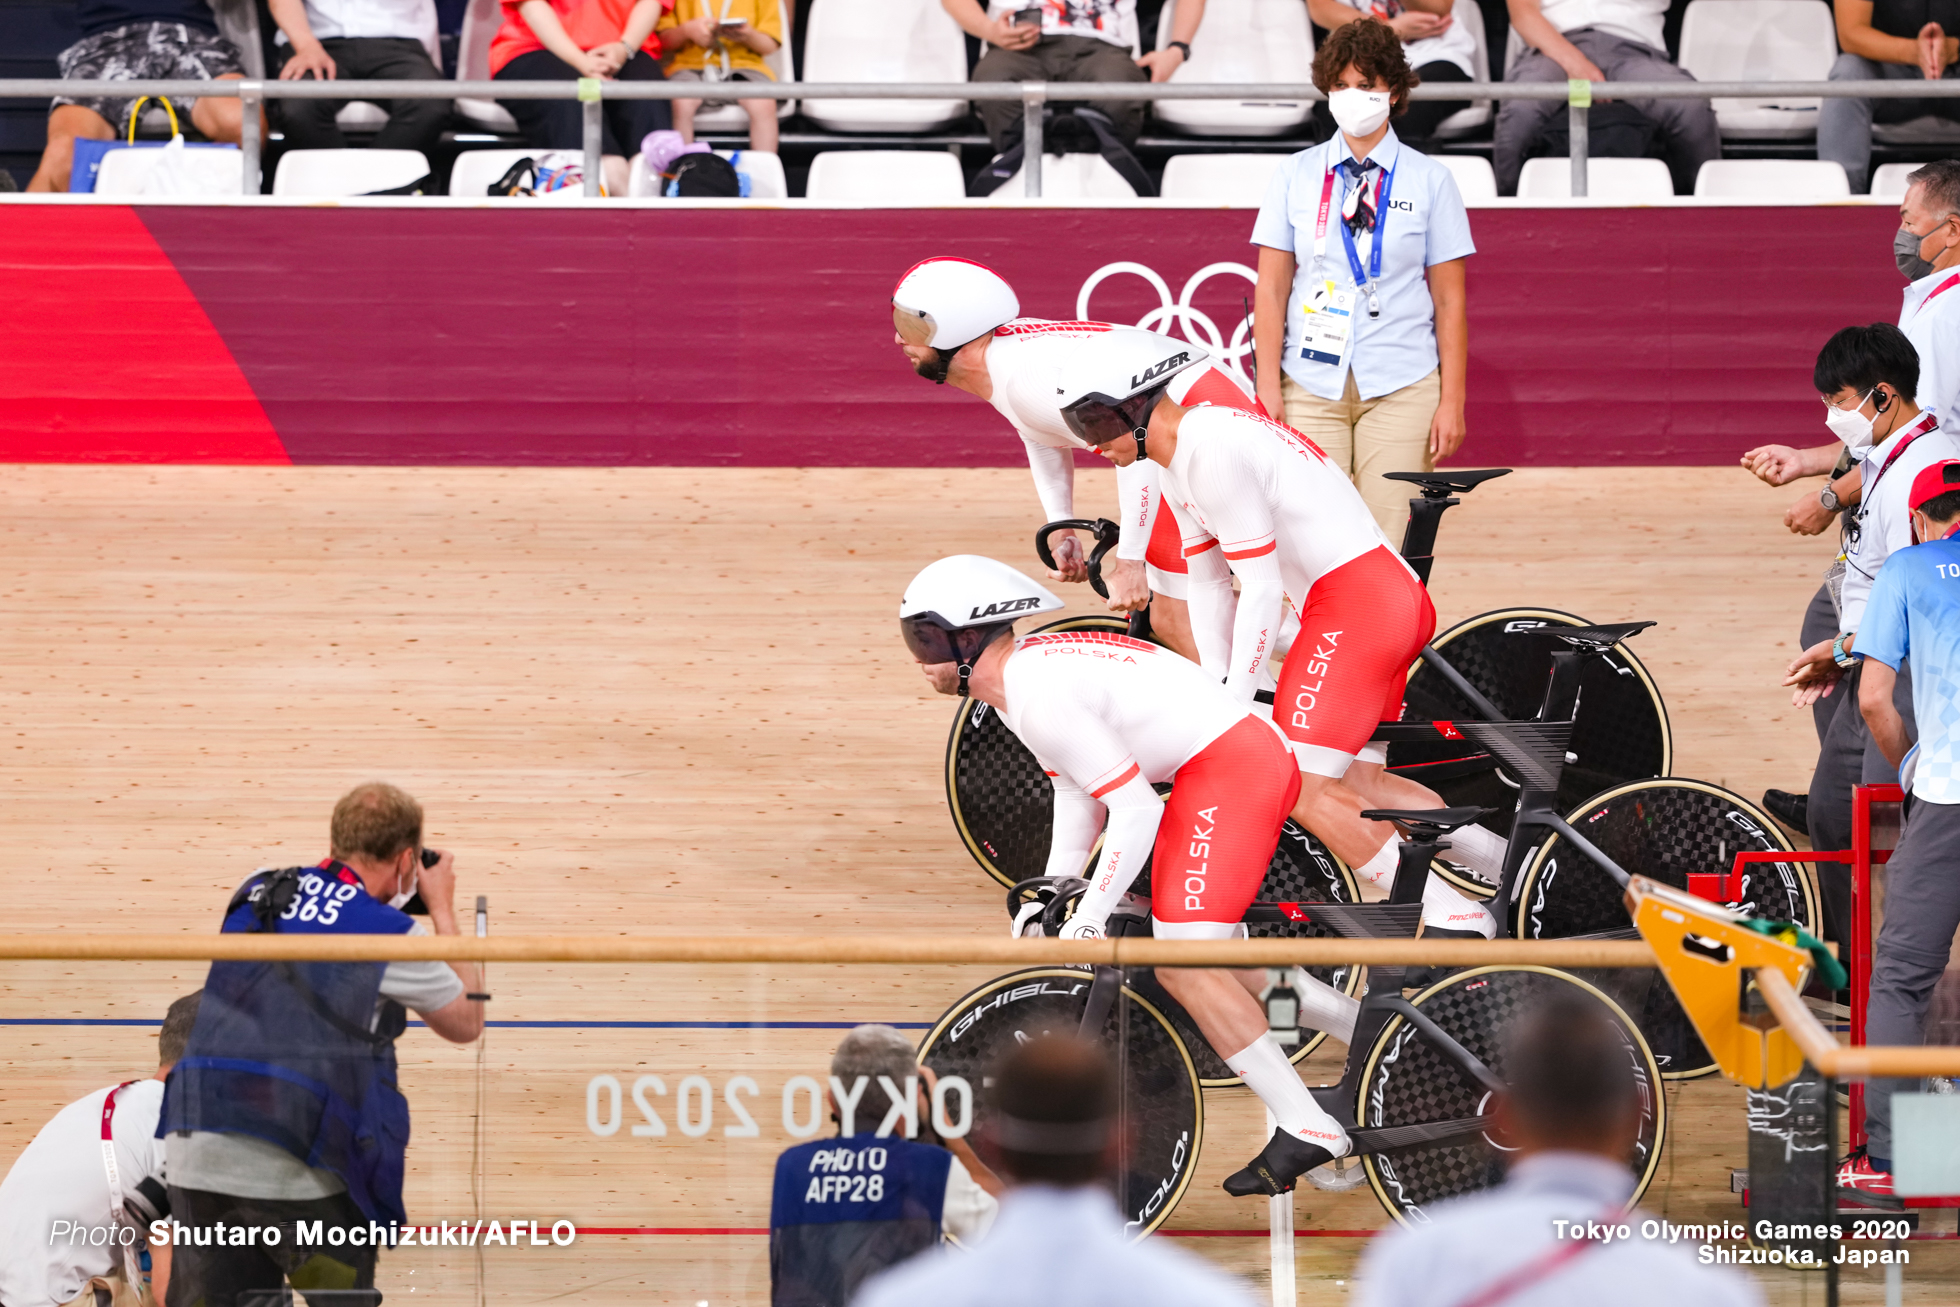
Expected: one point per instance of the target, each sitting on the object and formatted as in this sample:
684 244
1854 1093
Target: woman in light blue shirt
1361 337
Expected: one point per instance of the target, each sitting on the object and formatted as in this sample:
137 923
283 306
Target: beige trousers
1366 438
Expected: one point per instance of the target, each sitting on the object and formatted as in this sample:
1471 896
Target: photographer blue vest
291 1053
845 1209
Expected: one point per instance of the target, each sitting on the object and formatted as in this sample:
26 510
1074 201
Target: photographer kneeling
285 1108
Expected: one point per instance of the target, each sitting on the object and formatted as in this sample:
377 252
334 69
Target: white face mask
407 891
1851 425
1357 111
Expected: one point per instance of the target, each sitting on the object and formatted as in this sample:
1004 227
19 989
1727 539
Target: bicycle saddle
1441 485
1428 821
1596 637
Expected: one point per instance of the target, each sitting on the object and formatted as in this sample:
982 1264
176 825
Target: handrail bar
826 949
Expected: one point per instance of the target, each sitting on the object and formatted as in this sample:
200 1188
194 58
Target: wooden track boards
663 700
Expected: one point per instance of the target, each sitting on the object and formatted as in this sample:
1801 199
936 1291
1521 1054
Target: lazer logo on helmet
1005 607
1159 369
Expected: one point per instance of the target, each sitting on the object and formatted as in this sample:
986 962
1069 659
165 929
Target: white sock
1325 1008
1447 908
1379 870
1478 850
1267 1073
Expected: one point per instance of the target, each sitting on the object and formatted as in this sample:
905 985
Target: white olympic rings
1194 325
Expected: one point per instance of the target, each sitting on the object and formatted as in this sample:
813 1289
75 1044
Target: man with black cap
1914 611
1059 1237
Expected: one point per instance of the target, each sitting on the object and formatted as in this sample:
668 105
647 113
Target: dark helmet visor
933 642
1097 420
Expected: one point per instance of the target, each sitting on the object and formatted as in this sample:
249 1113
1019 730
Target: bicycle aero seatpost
1533 754
1439 491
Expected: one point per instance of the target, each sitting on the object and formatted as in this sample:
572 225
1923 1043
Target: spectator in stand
741 35
128 40
1889 41
559 40
362 41
1060 1238
61 1180
1068 41
1360 326
826 1240
1600 41
1433 44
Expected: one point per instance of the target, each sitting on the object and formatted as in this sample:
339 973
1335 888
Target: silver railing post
1034 102
592 107
251 98
1578 99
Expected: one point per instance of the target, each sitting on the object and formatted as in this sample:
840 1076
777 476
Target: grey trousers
1688 126
1848 758
1844 127
1820 623
1059 59
1922 910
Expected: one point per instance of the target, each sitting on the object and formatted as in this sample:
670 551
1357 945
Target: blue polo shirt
1914 611
1425 224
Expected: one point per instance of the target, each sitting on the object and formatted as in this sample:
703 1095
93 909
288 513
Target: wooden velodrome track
653 700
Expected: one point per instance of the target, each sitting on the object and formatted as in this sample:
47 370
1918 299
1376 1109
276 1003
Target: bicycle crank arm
1394 1138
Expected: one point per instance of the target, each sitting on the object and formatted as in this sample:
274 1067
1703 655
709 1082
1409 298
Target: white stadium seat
886 176
1889 180
730 118
1475 178
1071 177
883 41
763 169
480 23
1772 179
474 170
1624 181
1761 41
1243 41
1466 121
1219 178
325 173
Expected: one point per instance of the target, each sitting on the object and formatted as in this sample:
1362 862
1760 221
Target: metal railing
1578 96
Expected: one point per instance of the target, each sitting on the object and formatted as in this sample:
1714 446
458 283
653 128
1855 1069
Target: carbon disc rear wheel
1621 731
1161 1113
1408 1079
1662 829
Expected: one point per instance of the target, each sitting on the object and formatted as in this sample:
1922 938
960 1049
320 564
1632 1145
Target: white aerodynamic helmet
958 606
1114 381
945 303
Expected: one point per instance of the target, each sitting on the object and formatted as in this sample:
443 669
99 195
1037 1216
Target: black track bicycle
1495 666
1420 1077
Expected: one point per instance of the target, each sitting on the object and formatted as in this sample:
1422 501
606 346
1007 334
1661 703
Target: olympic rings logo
1194 325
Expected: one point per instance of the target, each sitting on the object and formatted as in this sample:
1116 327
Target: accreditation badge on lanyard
1326 309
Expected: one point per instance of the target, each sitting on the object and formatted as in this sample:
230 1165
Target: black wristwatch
1828 498
1182 45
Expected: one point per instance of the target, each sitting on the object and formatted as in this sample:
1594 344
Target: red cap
1934 481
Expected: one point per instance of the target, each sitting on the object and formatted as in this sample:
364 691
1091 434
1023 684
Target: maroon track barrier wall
762 337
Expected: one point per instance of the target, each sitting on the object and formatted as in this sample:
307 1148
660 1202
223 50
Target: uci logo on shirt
1005 607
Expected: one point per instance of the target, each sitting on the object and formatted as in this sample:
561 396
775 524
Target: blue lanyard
1372 278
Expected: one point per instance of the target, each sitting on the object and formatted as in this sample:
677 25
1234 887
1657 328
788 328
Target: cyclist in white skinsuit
1255 498
1108 717
959 324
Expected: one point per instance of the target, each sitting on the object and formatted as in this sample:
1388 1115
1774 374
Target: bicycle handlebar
1106 533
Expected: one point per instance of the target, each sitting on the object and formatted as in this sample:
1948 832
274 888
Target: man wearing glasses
1867 378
